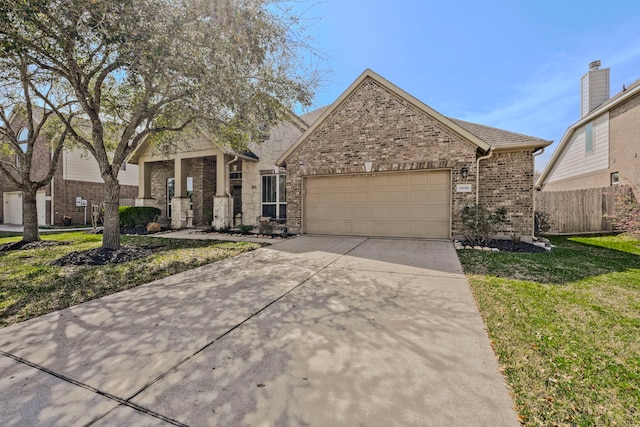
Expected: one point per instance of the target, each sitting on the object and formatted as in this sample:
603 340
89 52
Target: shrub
478 223
245 229
626 217
137 215
542 222
265 226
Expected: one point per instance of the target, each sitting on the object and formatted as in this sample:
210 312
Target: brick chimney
594 88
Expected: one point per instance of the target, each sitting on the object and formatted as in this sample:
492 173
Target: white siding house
587 151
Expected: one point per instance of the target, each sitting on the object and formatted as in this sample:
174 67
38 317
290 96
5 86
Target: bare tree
149 68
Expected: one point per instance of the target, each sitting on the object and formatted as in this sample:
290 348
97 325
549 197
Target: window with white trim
274 196
615 178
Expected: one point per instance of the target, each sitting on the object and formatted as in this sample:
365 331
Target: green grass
566 327
31 286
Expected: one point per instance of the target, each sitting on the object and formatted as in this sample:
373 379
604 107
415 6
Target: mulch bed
102 256
23 246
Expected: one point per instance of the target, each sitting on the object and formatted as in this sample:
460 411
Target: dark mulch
509 246
102 256
23 246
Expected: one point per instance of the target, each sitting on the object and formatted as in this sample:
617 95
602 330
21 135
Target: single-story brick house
376 162
379 162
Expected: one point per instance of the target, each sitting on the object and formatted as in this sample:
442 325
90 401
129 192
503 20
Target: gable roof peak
421 106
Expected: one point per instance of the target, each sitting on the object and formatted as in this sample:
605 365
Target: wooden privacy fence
580 211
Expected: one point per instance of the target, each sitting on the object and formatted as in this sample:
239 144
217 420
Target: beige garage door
412 204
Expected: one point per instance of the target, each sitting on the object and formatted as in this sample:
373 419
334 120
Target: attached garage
379 162
403 204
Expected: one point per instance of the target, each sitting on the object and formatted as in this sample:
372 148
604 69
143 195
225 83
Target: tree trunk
111 236
30 216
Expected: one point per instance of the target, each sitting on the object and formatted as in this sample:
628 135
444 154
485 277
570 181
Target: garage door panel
380 180
381 212
437 211
398 180
344 212
441 178
399 212
436 230
323 213
413 204
361 228
357 181
360 197
399 196
438 196
398 229
380 196
343 198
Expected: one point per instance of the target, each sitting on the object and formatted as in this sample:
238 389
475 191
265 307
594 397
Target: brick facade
506 180
624 141
65 193
374 124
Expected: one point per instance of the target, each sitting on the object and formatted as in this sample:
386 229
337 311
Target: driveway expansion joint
121 401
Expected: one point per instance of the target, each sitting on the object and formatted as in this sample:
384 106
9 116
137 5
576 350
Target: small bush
131 216
265 226
626 217
478 223
542 222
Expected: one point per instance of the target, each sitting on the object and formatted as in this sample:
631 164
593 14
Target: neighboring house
77 177
377 162
603 147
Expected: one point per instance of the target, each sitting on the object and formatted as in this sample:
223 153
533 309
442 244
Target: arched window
23 137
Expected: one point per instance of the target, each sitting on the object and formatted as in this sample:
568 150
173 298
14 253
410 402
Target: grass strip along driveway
566 328
31 285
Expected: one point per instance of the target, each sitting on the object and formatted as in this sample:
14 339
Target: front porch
194 188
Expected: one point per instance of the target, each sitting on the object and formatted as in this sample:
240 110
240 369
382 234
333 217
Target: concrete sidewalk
336 331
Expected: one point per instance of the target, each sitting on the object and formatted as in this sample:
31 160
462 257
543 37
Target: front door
236 192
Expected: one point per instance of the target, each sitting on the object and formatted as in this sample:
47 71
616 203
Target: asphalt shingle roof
499 138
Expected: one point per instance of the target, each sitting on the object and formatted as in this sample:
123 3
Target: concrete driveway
320 331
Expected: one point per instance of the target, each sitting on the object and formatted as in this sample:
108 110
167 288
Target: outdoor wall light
464 172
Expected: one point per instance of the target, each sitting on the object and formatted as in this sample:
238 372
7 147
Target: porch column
144 180
221 200
144 185
180 202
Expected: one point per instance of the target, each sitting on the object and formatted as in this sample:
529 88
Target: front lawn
30 285
566 328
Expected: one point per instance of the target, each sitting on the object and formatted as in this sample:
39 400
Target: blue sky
512 64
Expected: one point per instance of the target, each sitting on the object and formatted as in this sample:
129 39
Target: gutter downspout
533 214
228 189
478 173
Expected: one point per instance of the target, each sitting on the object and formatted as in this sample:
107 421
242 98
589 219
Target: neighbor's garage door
12 208
411 204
